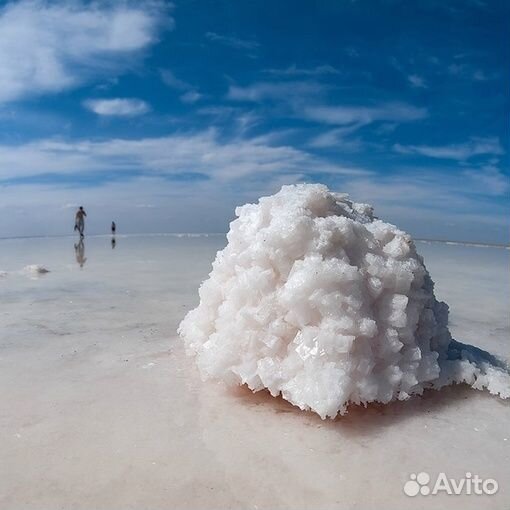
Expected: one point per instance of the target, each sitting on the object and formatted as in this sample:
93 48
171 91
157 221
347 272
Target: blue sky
166 116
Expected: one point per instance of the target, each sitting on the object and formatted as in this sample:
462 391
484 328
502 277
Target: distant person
79 250
114 228
79 223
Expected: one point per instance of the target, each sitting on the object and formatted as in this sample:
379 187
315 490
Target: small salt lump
317 300
35 270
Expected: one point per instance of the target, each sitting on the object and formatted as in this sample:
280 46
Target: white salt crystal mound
317 300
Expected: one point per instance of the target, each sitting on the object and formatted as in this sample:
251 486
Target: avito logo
471 484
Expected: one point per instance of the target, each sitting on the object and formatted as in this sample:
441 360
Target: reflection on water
79 250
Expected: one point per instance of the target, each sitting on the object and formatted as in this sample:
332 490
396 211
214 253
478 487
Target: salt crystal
317 300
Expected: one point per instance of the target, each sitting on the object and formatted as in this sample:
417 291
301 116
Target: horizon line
207 234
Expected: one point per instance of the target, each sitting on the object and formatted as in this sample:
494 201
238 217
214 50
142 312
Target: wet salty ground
101 409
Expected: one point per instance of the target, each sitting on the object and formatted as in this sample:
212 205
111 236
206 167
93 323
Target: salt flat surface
101 409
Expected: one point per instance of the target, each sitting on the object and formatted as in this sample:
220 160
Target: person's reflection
79 250
114 242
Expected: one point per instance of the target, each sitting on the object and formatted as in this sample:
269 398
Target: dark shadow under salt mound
458 350
366 421
371 418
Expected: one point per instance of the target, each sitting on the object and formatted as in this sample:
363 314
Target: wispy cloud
489 179
196 153
171 80
233 41
460 152
238 118
417 81
293 70
284 91
118 107
306 99
351 52
363 115
190 97
191 94
46 47
434 204
338 138
466 70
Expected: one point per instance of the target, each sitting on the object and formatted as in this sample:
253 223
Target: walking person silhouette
79 223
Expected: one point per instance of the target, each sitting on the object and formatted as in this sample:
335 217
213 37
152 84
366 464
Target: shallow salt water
101 409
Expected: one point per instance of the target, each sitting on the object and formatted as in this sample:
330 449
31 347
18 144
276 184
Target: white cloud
192 96
305 100
468 71
46 47
352 52
460 152
171 80
363 115
489 180
338 138
293 70
417 81
479 75
118 107
201 152
434 204
233 41
238 118
284 91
